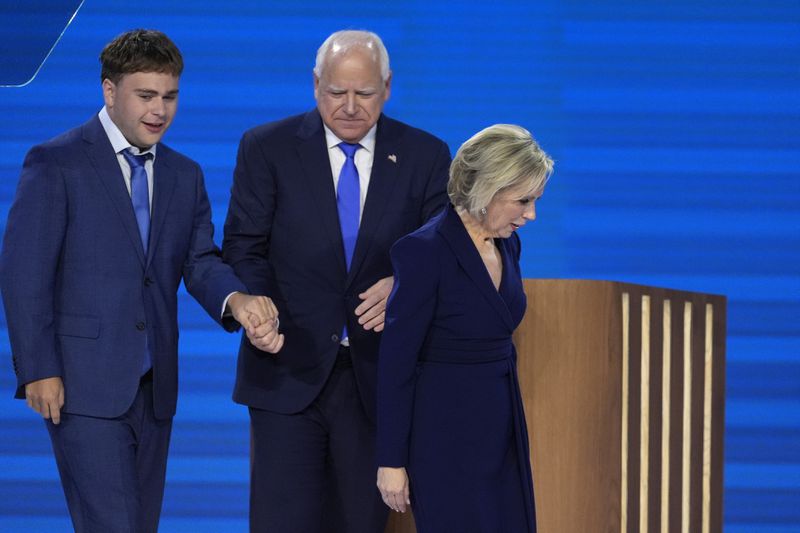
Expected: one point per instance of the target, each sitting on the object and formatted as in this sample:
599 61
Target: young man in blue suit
317 201
105 223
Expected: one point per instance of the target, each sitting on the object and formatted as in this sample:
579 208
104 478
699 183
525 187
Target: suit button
335 337
140 326
148 282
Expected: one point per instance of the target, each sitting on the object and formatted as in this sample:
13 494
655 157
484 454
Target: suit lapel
317 173
106 166
164 179
382 181
454 232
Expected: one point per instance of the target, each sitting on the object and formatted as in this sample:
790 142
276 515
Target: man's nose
350 104
157 107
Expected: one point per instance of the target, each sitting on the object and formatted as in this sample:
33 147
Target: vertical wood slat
644 416
626 329
708 360
686 441
717 415
666 362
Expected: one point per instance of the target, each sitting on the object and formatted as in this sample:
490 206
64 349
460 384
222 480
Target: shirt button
148 282
140 326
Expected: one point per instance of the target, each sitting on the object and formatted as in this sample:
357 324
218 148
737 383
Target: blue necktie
140 194
140 198
348 200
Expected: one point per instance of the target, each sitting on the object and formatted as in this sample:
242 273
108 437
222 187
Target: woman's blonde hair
499 157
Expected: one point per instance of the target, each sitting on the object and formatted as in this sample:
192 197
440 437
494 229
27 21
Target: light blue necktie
140 198
140 194
348 200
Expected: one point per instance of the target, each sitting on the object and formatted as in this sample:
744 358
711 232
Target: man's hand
46 397
372 311
259 316
393 484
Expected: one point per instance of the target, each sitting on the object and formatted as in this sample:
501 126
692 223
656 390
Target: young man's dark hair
140 51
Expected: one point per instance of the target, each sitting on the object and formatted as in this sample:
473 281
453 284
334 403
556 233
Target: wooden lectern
624 389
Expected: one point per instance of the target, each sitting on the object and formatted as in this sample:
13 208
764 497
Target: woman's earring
483 211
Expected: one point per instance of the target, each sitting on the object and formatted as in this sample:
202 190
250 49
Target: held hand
266 337
393 484
259 316
46 397
372 311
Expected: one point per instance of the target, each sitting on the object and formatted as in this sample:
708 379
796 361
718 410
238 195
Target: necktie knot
349 149
136 161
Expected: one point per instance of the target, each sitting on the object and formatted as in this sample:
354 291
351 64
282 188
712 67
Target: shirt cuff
226 313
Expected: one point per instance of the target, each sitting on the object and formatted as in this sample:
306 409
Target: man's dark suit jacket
81 298
282 238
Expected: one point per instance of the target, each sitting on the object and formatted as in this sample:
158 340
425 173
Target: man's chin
350 134
148 140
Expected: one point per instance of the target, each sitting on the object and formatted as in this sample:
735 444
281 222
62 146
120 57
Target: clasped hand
259 317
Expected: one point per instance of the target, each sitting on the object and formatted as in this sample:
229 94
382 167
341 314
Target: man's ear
387 92
109 92
316 86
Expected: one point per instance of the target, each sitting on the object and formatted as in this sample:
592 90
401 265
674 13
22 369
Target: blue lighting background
676 133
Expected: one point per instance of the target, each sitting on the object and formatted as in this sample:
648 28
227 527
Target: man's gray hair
500 157
341 42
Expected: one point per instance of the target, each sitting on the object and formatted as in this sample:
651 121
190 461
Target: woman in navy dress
452 440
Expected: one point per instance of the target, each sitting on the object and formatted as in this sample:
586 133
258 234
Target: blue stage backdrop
675 127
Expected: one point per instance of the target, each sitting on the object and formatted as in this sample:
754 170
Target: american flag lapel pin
392 158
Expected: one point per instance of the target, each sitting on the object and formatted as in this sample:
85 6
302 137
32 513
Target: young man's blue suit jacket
282 237
82 300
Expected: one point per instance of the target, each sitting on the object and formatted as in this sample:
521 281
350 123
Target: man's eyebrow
153 92
336 88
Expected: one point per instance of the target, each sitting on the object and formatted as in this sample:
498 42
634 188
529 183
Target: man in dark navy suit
317 201
105 223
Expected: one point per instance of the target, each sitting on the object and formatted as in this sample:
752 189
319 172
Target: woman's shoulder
424 240
418 244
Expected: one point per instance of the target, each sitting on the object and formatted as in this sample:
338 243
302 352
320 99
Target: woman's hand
393 484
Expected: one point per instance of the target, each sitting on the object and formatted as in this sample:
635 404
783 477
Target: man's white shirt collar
367 143
118 141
